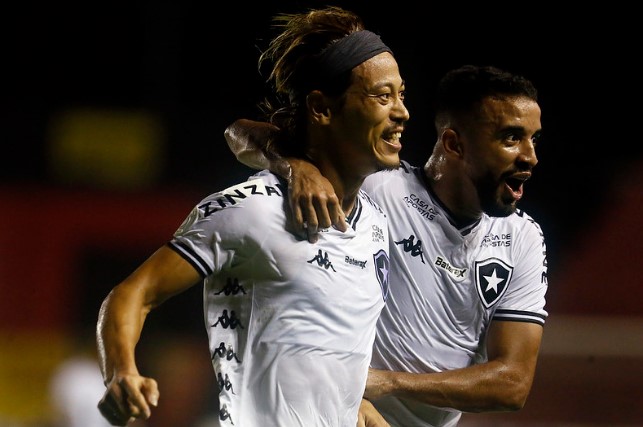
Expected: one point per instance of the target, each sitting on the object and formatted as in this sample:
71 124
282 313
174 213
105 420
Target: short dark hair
462 89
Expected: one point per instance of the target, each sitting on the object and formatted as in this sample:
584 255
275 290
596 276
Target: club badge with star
492 278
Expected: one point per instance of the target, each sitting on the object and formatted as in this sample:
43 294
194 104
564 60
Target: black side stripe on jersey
355 214
188 254
519 316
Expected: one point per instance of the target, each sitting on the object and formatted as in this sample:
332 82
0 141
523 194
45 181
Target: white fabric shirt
447 285
291 324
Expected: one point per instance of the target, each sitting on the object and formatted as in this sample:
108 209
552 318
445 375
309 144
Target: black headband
348 52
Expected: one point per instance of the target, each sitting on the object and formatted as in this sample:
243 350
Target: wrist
282 168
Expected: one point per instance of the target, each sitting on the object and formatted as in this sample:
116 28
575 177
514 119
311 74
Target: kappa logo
382 268
415 248
322 260
492 279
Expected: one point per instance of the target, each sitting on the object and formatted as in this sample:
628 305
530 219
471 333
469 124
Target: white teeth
395 136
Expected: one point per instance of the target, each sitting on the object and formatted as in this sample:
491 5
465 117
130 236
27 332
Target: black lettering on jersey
225 352
496 240
492 278
226 200
224 383
224 415
457 273
352 261
272 191
543 276
228 322
207 209
415 202
322 260
414 248
253 189
232 287
230 197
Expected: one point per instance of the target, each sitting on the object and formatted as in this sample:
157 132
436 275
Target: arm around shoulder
248 141
312 197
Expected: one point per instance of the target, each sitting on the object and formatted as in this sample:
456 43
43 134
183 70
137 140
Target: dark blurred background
112 118
190 68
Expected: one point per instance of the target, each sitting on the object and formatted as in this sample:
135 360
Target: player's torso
444 286
291 324
287 287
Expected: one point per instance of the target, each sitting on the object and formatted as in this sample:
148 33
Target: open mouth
393 140
515 185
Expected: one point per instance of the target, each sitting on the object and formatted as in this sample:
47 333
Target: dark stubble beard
491 201
381 167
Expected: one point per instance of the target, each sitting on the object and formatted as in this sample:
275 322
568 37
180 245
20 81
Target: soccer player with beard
463 323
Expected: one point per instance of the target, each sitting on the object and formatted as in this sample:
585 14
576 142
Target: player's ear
451 142
318 107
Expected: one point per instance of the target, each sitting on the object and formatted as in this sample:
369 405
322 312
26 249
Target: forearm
487 387
128 395
312 197
248 140
120 322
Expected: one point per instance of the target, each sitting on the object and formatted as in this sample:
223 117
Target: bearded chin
503 211
493 204
381 167
499 209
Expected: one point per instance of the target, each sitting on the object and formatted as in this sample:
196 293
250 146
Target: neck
450 192
346 188
345 175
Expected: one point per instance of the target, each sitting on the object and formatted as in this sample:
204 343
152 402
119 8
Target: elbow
514 396
505 401
508 393
515 403
232 140
513 388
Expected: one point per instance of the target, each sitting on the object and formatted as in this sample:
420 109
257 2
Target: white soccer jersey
447 285
290 324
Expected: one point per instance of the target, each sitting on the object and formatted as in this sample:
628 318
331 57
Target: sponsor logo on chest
458 274
496 240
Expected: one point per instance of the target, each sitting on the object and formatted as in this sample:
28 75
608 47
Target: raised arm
313 201
501 384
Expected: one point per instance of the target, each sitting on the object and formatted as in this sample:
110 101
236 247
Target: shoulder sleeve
378 183
227 223
525 297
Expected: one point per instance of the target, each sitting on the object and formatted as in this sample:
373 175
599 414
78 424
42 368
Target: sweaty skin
479 164
130 395
316 204
315 198
348 140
